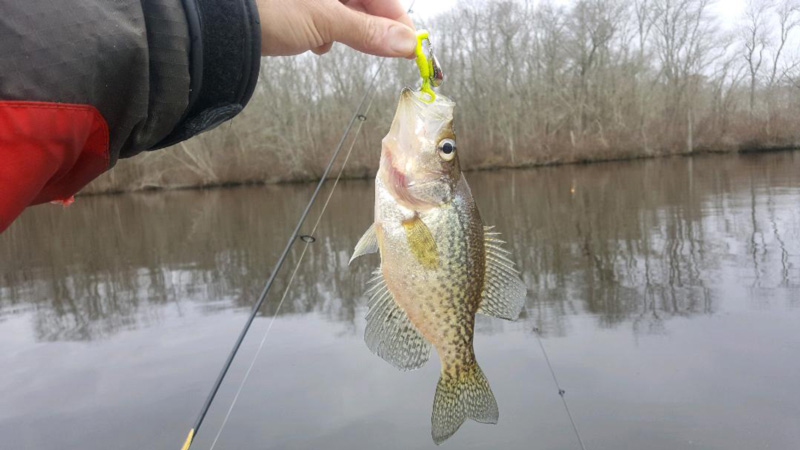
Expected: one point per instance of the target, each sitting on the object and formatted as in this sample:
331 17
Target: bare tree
788 16
536 83
755 37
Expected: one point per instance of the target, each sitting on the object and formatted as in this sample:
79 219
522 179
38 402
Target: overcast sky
729 11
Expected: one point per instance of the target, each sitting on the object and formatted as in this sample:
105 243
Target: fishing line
561 392
309 239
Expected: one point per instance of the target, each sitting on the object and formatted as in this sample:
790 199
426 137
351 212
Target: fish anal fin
389 332
421 242
503 293
367 244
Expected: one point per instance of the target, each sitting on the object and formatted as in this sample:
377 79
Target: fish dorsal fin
367 244
421 242
503 293
389 332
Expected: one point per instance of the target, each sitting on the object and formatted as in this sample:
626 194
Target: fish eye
447 149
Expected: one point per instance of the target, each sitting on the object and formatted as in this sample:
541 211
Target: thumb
371 34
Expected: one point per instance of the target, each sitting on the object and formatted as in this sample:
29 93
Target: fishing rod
292 238
307 240
290 242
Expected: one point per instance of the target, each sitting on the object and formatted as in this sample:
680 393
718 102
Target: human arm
87 82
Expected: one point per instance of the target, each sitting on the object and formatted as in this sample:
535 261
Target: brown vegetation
599 79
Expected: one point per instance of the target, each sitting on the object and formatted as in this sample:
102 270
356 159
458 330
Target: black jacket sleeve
158 71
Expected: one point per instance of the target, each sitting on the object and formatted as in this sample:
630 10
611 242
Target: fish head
419 163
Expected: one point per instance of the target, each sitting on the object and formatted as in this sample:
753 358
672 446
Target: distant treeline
534 83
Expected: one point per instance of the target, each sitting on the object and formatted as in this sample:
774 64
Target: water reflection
633 244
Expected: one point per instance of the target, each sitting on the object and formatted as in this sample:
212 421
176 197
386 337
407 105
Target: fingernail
402 40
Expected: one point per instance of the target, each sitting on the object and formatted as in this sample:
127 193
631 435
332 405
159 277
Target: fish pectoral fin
366 245
503 293
458 398
421 242
389 332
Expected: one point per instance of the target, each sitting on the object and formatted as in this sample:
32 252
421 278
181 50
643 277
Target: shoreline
488 168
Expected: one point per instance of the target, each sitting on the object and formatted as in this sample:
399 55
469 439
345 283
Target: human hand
378 27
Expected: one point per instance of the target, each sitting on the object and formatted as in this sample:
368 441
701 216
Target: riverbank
103 186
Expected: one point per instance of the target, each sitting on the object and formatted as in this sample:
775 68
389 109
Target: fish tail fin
459 397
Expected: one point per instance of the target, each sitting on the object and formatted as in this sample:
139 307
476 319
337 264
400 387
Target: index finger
391 9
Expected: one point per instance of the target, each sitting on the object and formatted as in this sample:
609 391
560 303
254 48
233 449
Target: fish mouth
411 170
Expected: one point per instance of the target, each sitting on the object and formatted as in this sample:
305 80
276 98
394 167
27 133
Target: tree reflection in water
632 244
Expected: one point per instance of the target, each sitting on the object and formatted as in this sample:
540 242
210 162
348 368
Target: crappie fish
439 264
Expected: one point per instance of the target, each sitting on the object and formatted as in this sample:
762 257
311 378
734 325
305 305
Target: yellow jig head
429 69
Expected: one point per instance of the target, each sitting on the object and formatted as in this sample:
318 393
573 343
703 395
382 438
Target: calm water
667 293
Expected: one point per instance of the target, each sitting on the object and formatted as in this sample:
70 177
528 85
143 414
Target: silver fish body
439 264
441 301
